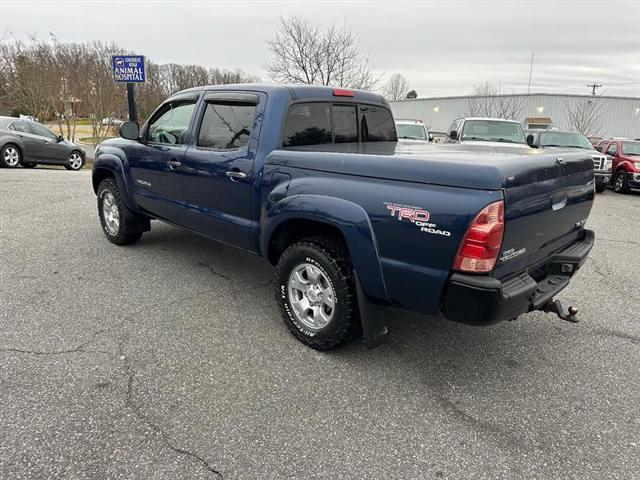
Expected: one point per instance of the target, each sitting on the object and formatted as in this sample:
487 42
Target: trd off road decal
511 254
416 215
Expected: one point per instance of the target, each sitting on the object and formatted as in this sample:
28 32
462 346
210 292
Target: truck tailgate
546 205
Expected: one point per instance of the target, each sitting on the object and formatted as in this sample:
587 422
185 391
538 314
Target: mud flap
372 318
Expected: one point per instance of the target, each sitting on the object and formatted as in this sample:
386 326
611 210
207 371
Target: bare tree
488 101
584 116
221 76
304 53
396 87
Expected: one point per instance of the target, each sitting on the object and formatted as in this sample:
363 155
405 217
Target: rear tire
10 156
601 187
115 218
621 182
315 289
75 161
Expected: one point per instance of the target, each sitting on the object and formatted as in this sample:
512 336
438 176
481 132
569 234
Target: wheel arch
301 216
110 166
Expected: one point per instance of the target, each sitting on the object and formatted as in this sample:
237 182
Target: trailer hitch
564 313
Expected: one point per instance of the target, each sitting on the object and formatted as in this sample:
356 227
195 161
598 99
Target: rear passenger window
307 124
226 125
345 124
376 124
20 126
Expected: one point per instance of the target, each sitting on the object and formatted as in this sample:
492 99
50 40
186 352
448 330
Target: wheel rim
312 296
11 156
110 213
619 182
75 161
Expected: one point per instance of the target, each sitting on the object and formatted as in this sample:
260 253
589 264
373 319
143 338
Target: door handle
173 164
236 175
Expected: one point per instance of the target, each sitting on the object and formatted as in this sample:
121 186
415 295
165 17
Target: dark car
27 143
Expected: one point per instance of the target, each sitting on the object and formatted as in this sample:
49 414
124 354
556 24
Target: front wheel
10 156
601 187
115 219
75 161
316 292
621 182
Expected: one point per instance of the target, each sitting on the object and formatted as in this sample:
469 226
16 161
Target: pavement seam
137 410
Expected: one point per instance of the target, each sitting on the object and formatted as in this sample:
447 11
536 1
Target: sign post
129 69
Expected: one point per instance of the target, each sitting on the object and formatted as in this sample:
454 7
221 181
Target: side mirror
530 141
453 135
60 138
130 130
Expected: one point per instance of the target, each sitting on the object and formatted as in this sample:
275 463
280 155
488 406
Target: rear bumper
480 300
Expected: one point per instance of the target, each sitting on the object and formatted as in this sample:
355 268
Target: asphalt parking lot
168 360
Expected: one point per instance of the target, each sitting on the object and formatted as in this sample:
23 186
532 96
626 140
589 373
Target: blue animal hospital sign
128 68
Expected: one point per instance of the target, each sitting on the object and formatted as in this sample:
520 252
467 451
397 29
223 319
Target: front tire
75 161
621 182
10 156
115 219
601 187
315 289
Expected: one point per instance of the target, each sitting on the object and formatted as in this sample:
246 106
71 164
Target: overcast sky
442 48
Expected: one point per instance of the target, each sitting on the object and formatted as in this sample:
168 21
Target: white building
619 116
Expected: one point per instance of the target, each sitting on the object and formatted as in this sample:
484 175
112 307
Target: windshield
411 130
631 148
492 131
564 139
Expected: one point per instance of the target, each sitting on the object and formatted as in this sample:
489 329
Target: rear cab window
318 123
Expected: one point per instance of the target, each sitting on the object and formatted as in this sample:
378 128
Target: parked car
625 157
559 140
314 180
111 121
487 131
437 137
413 130
27 143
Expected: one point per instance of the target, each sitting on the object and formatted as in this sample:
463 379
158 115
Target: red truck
625 157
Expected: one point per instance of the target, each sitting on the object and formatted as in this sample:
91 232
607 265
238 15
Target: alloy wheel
312 297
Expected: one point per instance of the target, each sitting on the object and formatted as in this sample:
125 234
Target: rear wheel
621 182
75 161
601 187
116 220
316 292
10 156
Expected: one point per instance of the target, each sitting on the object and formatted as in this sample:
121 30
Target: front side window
492 131
43 131
171 124
226 125
376 124
20 126
613 149
307 124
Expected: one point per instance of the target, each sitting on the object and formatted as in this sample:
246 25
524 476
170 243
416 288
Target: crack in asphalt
213 271
137 410
53 352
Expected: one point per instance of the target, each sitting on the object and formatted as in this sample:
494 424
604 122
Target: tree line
56 81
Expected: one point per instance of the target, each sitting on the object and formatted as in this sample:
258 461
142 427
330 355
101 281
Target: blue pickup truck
314 180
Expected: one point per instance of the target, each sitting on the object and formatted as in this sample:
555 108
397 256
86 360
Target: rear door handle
236 175
173 164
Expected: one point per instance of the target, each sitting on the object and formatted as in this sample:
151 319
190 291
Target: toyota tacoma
314 180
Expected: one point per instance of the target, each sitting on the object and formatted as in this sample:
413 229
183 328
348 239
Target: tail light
481 244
